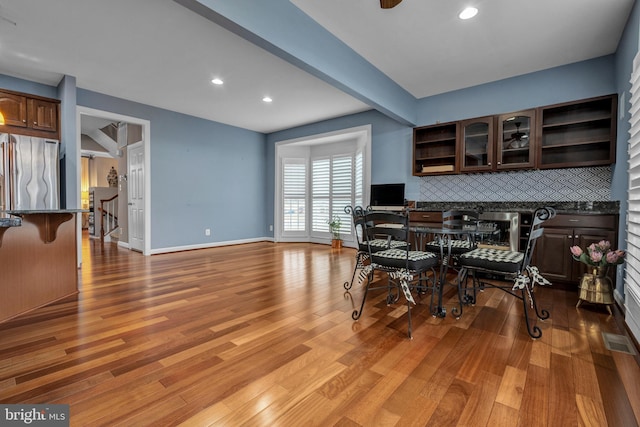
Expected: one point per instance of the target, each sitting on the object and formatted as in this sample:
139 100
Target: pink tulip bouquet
598 254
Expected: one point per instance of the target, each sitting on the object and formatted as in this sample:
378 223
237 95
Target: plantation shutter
332 183
632 276
342 190
294 195
320 194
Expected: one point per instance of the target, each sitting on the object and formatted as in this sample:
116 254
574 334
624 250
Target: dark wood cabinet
29 115
477 145
43 115
581 133
573 134
552 255
435 149
14 109
424 219
516 142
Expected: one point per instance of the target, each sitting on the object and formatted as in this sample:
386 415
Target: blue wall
204 174
26 86
567 83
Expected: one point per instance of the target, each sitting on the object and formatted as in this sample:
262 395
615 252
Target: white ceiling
159 53
425 48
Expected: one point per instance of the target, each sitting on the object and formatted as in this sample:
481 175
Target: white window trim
287 148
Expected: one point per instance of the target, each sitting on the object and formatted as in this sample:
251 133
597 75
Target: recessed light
217 81
468 13
267 99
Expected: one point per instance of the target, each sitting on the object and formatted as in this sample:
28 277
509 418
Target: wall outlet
207 232
271 227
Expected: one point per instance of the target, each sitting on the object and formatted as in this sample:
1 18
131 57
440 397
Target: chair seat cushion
492 259
457 246
381 244
397 258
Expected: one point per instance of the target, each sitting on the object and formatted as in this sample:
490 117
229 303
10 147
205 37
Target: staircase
109 224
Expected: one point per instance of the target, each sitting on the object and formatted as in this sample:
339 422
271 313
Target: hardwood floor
261 335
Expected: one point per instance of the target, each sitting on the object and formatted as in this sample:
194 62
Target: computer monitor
387 195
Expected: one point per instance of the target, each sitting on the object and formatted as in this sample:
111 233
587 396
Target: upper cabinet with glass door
516 140
476 145
571 134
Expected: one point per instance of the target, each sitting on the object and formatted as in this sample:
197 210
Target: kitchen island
38 259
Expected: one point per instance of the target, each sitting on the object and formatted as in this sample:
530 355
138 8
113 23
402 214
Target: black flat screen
387 195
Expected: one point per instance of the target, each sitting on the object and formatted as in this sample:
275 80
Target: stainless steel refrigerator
29 173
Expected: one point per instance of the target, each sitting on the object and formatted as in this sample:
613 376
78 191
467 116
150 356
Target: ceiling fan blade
388 4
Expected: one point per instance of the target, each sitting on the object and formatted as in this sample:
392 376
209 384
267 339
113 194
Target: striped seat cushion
397 258
492 259
457 246
380 244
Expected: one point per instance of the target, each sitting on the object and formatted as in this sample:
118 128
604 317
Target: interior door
135 180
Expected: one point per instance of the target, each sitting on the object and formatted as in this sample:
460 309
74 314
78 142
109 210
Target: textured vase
596 287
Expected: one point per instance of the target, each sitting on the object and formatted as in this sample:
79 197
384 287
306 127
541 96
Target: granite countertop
12 218
595 208
43 211
6 222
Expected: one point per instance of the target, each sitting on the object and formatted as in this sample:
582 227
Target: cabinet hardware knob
499 163
24 121
569 236
35 123
576 236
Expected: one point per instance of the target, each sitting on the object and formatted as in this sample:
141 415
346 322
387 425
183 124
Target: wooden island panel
38 265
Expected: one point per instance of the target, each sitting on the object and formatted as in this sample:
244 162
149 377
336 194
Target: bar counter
38 259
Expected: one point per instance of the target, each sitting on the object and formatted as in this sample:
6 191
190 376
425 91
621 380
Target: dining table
446 238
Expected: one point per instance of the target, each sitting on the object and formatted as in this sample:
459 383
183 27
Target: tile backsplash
571 184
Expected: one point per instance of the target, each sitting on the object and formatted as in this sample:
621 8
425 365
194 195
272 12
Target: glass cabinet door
477 144
516 140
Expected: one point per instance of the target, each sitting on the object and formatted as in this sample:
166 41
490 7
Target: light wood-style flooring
261 335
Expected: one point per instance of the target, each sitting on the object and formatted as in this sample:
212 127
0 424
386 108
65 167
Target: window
294 195
317 177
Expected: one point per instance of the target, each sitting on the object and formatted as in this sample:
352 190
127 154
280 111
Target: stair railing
109 212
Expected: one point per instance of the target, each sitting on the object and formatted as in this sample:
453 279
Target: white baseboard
209 245
124 244
632 314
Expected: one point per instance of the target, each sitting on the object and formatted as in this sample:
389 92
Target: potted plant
334 227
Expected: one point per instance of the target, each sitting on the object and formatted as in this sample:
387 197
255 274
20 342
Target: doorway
118 149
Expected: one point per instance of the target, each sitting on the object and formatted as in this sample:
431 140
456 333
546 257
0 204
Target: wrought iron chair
365 247
510 264
402 264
